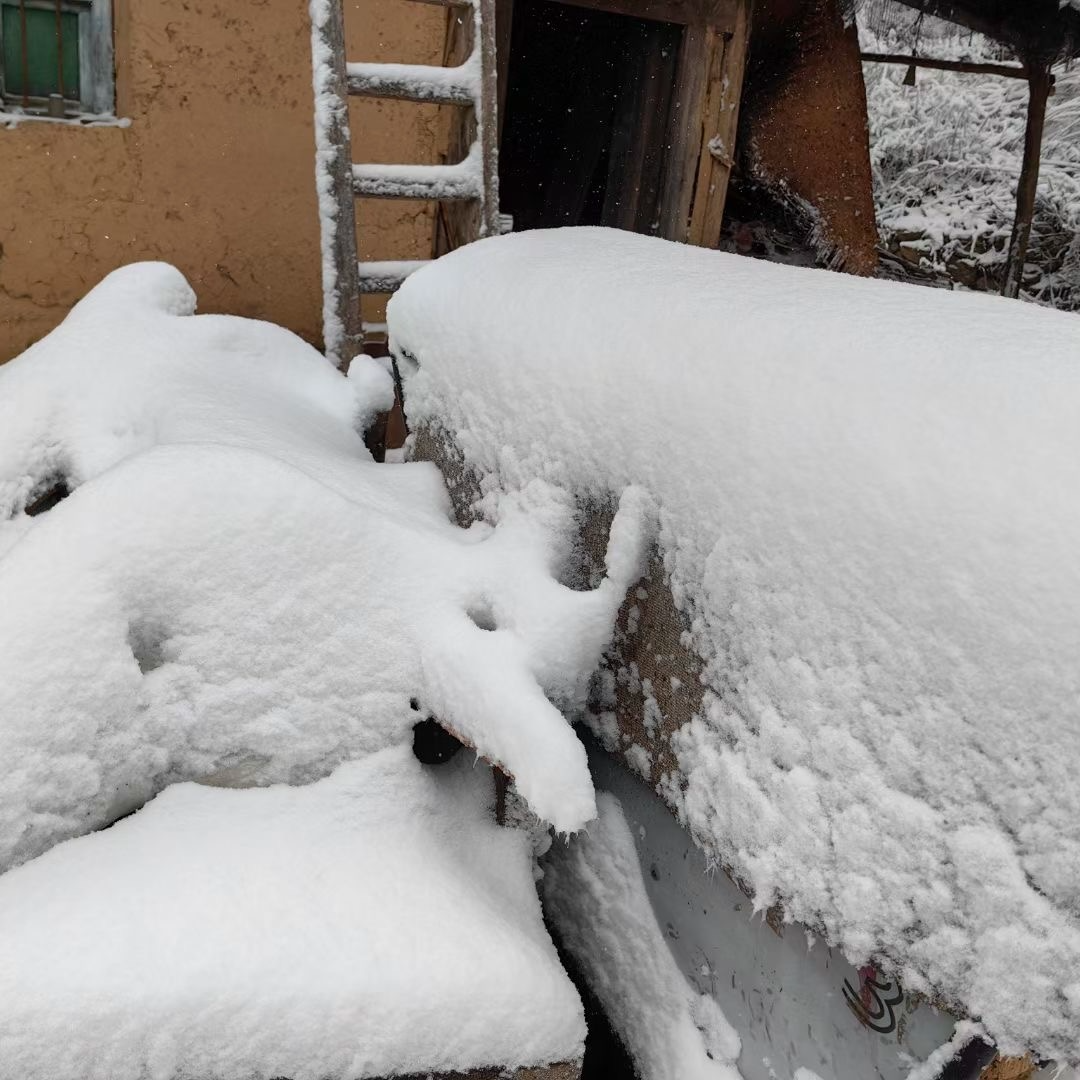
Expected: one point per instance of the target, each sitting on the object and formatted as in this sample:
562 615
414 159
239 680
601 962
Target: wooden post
1040 82
343 336
726 54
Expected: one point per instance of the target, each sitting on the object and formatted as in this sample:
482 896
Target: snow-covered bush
946 157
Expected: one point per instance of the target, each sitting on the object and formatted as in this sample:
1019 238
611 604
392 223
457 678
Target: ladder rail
470 183
343 335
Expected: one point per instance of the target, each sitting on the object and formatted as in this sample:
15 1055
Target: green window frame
56 57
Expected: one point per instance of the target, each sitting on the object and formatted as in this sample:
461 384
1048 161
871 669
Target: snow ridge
867 517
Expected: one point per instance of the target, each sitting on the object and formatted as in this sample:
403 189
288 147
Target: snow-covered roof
1045 29
868 520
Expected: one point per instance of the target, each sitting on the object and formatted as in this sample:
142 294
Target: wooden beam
1040 83
683 12
1042 28
716 155
1008 71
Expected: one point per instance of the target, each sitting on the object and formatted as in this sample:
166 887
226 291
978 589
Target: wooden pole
1040 83
1008 71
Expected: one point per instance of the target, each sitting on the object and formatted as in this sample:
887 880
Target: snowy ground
946 158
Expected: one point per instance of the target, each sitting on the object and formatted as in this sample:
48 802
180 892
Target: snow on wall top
235 588
868 512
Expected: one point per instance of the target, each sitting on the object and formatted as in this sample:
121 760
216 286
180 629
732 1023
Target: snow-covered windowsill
13 116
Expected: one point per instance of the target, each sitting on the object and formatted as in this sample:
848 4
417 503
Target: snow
596 900
462 180
866 515
424 81
234 588
374 923
12 115
387 274
931 1068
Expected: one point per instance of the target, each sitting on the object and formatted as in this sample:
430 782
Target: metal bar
25 55
1008 71
60 49
1040 84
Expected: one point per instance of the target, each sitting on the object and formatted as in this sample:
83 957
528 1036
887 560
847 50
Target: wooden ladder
468 188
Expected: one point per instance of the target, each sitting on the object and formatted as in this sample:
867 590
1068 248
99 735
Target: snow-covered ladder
471 183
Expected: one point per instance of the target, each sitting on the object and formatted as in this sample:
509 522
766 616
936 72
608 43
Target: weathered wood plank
678 184
727 66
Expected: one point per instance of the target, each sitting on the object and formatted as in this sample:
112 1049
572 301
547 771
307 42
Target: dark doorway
588 104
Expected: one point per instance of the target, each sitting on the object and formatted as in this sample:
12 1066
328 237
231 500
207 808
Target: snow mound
234 588
375 923
868 515
596 900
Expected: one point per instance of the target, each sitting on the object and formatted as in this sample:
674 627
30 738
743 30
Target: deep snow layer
868 511
374 923
235 588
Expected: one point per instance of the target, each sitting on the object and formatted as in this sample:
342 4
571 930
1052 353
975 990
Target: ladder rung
415 82
386 277
442 182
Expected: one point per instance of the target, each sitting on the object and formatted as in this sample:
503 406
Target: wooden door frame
704 119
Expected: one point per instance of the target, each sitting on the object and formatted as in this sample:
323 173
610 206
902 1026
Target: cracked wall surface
216 171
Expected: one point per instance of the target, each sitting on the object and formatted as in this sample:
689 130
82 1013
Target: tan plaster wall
215 172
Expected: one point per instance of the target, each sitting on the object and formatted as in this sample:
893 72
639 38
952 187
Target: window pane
41 66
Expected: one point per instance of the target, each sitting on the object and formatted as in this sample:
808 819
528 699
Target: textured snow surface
374 923
234 588
868 511
596 900
422 80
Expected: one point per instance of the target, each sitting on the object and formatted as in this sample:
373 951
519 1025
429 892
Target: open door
588 105
620 112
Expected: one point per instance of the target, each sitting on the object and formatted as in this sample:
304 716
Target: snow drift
235 588
868 517
374 923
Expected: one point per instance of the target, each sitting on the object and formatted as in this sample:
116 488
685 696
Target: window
56 56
